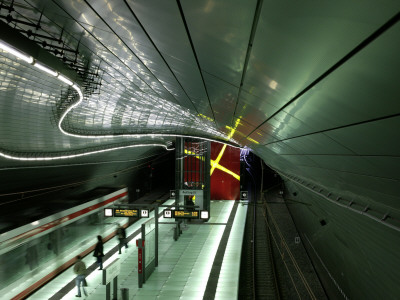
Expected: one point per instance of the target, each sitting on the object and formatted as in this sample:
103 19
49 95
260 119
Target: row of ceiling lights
30 60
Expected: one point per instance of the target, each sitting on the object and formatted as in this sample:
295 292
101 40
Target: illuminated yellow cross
215 163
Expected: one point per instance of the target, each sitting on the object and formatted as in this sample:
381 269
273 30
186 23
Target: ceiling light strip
75 86
6 47
2 154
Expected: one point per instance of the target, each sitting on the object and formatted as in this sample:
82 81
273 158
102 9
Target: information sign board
123 212
186 214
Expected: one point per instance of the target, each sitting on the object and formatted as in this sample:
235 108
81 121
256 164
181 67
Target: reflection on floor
184 265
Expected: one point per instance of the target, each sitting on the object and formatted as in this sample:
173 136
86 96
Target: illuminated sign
186 214
108 212
144 213
204 215
167 213
121 212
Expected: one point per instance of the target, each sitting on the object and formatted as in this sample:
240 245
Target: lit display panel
119 212
185 214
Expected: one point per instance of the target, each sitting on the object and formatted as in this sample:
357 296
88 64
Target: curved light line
77 88
2 154
138 135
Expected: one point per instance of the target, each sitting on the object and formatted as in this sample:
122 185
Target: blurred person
122 238
80 271
98 252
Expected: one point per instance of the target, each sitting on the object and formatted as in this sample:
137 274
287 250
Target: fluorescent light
27 58
45 69
64 79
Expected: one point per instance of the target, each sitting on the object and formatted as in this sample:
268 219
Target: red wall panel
224 186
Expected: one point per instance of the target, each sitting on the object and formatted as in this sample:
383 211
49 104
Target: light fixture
45 69
17 53
108 212
204 215
65 79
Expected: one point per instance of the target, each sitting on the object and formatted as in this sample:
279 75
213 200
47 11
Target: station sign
144 213
124 212
167 213
186 214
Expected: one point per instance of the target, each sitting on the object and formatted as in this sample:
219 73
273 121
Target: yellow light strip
216 162
216 165
222 168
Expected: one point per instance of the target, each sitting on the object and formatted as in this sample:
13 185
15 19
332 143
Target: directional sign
244 195
167 213
144 213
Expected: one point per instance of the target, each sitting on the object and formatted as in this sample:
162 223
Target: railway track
258 279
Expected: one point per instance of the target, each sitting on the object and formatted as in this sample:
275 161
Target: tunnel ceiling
311 87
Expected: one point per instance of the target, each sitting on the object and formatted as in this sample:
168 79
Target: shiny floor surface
184 265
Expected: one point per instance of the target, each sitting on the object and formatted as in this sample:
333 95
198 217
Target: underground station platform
195 260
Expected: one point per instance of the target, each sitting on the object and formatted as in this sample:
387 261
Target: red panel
223 185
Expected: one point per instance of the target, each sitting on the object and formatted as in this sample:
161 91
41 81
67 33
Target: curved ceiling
310 86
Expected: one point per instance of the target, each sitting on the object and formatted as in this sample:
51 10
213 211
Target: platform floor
184 265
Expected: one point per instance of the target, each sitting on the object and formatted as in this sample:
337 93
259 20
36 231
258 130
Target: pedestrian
122 238
80 271
98 252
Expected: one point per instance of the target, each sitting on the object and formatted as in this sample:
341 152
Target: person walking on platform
122 238
80 271
98 252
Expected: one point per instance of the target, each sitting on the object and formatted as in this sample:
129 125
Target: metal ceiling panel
223 99
281 148
385 166
171 39
319 144
284 125
353 93
288 55
220 31
379 192
374 138
109 46
240 129
345 163
253 109
261 137
127 28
